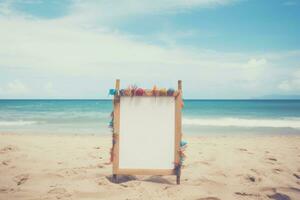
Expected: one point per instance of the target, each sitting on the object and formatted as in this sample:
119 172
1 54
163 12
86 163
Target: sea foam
16 123
242 122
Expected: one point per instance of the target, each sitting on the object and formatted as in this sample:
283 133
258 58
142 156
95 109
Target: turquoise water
199 116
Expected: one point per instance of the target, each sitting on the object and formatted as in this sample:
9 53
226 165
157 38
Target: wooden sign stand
116 130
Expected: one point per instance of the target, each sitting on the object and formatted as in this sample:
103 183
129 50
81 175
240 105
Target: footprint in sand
297 176
68 172
22 178
250 178
245 150
242 149
6 190
59 193
246 194
8 148
103 181
277 170
204 162
272 159
100 166
5 162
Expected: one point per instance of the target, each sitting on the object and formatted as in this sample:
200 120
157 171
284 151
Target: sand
75 167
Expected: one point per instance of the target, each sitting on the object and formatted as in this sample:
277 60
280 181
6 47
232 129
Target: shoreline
189 135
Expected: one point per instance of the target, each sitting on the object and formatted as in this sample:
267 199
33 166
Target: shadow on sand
126 178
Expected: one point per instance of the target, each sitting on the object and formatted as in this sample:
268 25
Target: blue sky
219 48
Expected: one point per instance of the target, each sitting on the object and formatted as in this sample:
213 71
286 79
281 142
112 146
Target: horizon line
110 99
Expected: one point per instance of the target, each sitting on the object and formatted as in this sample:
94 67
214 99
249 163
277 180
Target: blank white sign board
147 132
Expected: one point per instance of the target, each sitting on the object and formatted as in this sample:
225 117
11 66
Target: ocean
200 117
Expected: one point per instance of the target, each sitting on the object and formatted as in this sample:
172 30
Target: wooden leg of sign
178 179
178 173
115 178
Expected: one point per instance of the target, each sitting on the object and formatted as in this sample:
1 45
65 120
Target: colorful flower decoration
122 92
112 92
133 90
148 93
139 92
155 91
170 92
183 146
163 92
128 92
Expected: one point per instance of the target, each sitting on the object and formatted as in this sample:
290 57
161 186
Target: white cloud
69 49
15 88
256 62
5 8
292 84
285 85
253 71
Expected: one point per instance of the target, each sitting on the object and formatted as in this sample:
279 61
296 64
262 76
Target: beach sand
217 167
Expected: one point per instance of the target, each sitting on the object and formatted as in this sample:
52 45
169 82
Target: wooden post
178 173
178 130
116 131
181 102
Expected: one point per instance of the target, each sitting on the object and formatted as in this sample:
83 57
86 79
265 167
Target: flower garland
111 126
135 91
182 148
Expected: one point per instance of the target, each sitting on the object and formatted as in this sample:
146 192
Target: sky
220 49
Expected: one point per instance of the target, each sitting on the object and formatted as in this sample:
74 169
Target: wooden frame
116 130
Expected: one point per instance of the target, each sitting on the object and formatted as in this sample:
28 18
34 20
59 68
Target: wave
17 123
214 122
240 122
